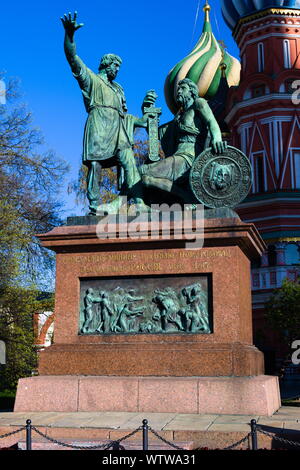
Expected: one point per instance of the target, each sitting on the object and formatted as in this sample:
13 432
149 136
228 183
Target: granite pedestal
221 372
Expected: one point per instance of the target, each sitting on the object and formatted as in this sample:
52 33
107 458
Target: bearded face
112 70
184 95
221 177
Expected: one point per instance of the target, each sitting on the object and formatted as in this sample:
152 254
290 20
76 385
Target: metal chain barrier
165 440
115 445
13 432
64 444
99 446
280 439
125 437
246 438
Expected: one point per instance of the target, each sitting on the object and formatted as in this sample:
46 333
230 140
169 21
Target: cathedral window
255 280
261 57
286 54
272 256
273 278
259 172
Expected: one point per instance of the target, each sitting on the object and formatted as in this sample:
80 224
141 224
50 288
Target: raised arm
208 117
70 25
149 101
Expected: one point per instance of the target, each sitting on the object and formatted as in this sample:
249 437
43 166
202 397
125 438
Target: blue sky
151 37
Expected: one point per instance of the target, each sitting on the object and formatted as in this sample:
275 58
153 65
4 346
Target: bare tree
29 181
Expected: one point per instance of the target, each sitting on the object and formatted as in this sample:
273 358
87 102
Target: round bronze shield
221 180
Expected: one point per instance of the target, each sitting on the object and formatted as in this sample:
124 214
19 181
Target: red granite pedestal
221 372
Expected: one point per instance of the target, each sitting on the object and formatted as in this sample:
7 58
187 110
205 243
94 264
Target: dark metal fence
251 438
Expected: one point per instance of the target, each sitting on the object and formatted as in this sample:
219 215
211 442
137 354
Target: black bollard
28 434
254 434
145 434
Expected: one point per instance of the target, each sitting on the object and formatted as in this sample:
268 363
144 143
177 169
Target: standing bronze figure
108 134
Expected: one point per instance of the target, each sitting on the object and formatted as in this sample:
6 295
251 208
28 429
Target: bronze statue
183 139
183 174
108 134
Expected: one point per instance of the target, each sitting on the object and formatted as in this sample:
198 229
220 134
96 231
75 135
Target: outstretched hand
219 147
70 24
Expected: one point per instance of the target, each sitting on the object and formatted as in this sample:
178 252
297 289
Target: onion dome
233 10
202 66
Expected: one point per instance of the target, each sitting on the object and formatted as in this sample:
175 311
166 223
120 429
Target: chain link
280 439
126 437
165 440
198 448
13 432
246 438
64 444
232 445
106 446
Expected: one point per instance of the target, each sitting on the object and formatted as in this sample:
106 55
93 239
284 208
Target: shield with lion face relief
221 180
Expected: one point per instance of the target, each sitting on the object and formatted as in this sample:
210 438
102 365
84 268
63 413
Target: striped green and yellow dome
203 66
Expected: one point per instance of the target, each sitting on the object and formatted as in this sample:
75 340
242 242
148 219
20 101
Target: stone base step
129 445
182 395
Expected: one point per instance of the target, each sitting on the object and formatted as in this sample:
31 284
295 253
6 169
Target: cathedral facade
263 115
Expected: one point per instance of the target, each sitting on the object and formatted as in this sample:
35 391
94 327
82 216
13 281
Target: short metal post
28 434
254 434
145 434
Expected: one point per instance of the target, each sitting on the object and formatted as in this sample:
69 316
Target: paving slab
271 425
188 426
19 419
291 426
236 419
274 419
12 415
157 421
229 427
44 419
286 417
74 419
190 422
294 410
110 420
278 418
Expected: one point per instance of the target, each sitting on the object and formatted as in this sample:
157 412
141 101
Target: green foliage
283 311
16 330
